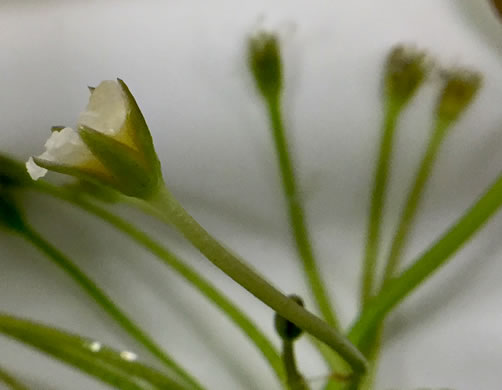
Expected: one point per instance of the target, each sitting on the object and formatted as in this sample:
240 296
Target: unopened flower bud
112 145
405 71
460 88
286 329
264 57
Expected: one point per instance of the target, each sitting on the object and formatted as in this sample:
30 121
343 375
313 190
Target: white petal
66 147
107 109
34 170
63 147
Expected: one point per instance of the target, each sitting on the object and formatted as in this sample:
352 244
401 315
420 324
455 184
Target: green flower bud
405 71
112 145
264 58
286 329
460 88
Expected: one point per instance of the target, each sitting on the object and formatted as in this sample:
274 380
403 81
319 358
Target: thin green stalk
11 382
414 198
333 360
297 215
241 273
234 313
106 303
437 255
295 378
58 343
402 233
392 112
372 351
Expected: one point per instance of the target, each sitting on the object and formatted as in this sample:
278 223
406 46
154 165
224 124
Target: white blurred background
185 63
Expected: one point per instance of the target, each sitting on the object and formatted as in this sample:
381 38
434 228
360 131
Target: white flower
112 145
105 113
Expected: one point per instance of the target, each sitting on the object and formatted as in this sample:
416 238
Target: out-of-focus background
185 63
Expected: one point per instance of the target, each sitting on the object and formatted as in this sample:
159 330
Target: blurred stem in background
8 380
459 89
12 218
118 369
404 73
392 113
266 66
100 297
437 255
458 92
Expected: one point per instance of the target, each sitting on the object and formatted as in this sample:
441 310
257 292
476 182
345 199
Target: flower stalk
249 279
391 116
8 380
234 313
90 356
107 304
11 218
265 63
405 72
459 90
429 262
289 332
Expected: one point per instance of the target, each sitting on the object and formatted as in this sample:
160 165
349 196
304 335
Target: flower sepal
128 172
136 124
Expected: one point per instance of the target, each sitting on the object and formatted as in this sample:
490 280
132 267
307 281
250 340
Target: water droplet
95 346
129 356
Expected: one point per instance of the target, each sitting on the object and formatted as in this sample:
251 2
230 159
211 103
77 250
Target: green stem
414 197
106 303
295 378
236 269
372 351
58 343
402 233
234 313
391 116
11 382
297 214
436 256
373 354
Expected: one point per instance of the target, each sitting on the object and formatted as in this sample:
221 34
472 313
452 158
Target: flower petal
107 109
63 147
35 171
